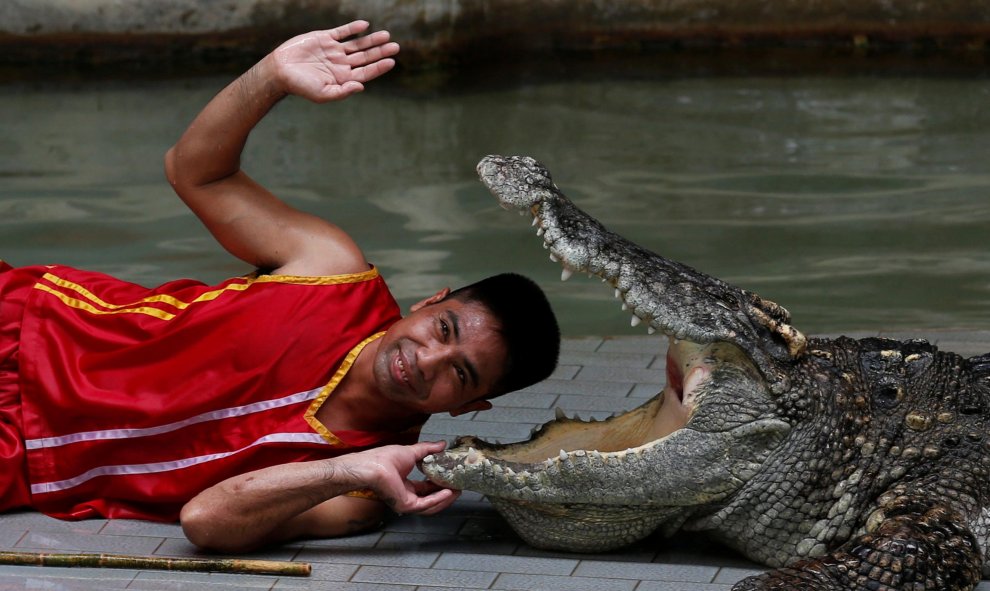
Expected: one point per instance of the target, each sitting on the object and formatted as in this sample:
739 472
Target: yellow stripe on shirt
81 305
310 414
92 303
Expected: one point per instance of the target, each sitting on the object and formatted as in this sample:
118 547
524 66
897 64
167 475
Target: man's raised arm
204 165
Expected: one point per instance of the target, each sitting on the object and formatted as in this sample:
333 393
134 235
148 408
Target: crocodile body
843 464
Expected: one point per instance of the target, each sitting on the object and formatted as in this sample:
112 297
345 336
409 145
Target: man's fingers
372 71
352 28
424 487
366 42
430 504
372 55
429 447
337 92
439 501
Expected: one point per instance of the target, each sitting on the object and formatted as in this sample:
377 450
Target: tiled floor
466 547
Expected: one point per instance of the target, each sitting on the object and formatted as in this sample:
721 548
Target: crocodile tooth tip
565 274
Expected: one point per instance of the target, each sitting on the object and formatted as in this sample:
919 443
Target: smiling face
446 356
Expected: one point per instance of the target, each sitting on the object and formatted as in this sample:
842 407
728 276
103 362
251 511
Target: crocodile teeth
563 455
536 220
635 321
472 456
650 330
539 231
565 274
553 259
559 413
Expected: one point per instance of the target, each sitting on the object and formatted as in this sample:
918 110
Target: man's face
443 357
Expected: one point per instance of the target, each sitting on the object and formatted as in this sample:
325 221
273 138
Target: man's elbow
171 166
208 531
198 525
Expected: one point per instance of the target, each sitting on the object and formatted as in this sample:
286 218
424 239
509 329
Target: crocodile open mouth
689 367
590 485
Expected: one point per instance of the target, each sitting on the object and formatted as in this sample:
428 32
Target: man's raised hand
331 65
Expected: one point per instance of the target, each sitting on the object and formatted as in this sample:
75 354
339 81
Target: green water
857 203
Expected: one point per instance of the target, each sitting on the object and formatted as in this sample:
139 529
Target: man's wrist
345 476
264 82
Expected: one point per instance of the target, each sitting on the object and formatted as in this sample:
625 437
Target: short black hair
526 322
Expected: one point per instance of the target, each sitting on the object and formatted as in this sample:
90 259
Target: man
249 409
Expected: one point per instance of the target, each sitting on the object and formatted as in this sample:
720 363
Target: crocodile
841 464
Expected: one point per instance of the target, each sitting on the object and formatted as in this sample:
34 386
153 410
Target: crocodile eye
888 396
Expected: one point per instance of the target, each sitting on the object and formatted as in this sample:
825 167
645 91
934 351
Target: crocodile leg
917 544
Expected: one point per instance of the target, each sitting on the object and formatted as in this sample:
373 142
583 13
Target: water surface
857 203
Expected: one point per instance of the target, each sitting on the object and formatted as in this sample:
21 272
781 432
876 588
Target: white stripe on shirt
224 413
128 469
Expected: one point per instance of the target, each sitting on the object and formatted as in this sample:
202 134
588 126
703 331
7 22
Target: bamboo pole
220 565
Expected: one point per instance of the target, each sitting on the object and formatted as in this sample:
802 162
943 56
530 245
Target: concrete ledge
435 32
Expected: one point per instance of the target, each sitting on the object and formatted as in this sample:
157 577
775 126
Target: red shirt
134 400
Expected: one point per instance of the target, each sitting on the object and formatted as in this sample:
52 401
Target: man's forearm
211 147
245 511
242 512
